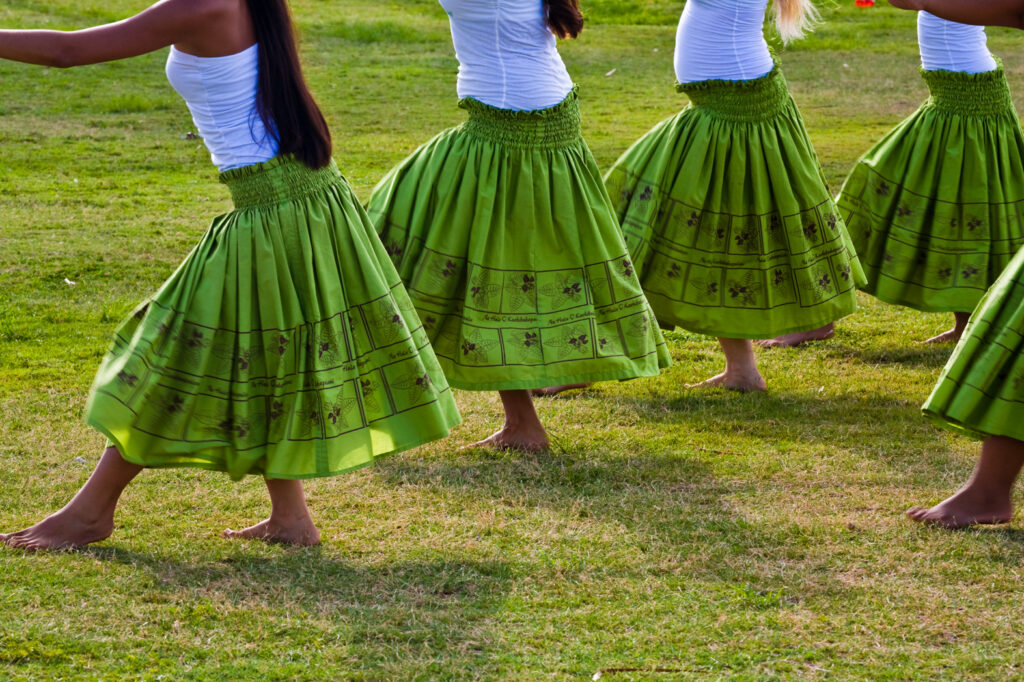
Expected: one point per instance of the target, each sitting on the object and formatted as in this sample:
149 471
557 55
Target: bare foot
62 530
796 338
744 382
301 533
964 509
555 390
514 438
952 336
960 321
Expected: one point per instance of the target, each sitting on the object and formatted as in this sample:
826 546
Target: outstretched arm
164 23
983 13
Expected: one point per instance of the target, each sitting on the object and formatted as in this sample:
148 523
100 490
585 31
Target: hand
916 5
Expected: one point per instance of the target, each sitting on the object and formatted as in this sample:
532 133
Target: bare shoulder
211 28
196 12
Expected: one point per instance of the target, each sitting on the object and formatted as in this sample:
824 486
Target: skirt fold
981 390
504 235
284 345
728 218
936 207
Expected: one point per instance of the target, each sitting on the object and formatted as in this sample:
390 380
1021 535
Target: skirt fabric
936 208
728 219
284 345
981 390
506 240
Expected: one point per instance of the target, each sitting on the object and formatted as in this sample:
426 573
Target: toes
15 542
240 535
917 513
707 383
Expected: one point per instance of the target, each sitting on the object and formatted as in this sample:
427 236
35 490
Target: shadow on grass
851 422
324 584
913 355
651 498
997 544
412 609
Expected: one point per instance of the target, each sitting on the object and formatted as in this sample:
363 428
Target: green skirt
981 390
505 237
284 345
936 208
728 218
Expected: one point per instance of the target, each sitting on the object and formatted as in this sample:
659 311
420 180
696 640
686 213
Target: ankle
291 517
988 494
87 515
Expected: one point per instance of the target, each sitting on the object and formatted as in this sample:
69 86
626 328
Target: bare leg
986 497
796 338
522 429
88 517
953 335
290 522
741 372
555 390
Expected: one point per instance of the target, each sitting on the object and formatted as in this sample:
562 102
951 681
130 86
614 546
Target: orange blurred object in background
864 3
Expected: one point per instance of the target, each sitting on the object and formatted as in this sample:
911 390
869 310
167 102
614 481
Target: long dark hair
564 17
284 102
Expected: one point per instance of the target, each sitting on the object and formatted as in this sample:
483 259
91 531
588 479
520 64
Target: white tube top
722 39
949 46
221 94
508 56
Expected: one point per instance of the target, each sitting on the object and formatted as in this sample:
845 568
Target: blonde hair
793 18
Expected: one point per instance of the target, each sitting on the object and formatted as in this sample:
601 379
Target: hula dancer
936 208
981 390
503 232
285 344
724 205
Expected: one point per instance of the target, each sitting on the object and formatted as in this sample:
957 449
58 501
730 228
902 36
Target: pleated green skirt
503 233
728 218
936 208
284 345
981 390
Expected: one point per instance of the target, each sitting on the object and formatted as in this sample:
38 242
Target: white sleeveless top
949 46
508 56
221 94
722 39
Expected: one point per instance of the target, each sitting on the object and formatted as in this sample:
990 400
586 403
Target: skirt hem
548 381
803 326
894 300
220 466
956 426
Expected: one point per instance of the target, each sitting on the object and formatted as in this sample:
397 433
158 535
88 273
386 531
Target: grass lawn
705 533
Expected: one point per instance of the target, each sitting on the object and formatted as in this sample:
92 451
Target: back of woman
724 205
284 345
502 229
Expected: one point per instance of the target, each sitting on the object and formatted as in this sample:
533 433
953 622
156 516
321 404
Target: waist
281 179
515 80
553 127
969 94
747 100
235 139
